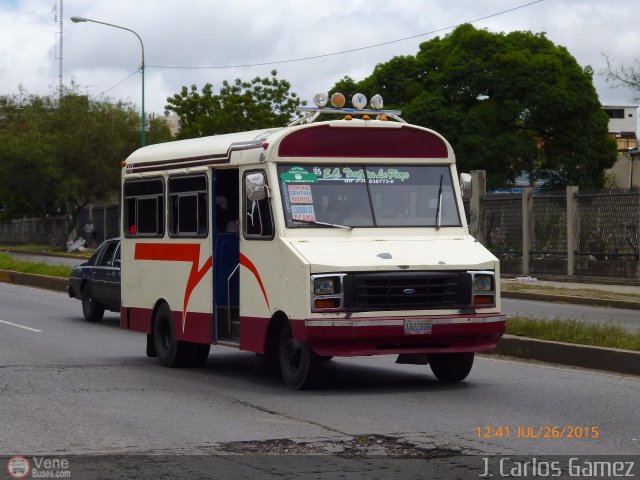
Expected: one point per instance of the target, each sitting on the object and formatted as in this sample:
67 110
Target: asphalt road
69 387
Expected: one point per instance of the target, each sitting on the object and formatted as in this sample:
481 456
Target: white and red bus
321 239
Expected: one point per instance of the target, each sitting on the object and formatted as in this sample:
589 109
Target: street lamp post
142 122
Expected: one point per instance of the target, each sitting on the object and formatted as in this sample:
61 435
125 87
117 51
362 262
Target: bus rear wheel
299 365
451 367
171 352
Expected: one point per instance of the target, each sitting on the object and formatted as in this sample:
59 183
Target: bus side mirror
465 185
254 186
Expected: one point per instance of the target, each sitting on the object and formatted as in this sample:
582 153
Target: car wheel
170 352
451 367
91 309
299 365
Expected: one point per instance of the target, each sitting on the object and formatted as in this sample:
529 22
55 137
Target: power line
324 55
120 82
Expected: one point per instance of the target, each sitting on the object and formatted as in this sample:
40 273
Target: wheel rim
165 334
87 301
292 354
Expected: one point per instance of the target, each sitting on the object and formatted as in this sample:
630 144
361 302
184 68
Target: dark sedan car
97 281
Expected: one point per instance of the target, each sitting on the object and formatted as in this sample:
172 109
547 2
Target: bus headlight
483 289
324 285
483 283
327 293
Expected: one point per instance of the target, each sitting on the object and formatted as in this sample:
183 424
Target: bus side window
144 208
258 221
188 206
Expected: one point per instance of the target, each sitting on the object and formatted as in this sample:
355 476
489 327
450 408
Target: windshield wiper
439 208
324 224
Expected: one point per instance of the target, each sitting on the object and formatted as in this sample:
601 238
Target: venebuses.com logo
38 467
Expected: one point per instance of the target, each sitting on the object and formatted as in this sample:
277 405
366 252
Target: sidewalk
605 287
597 294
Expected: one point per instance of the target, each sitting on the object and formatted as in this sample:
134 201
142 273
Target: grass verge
9 263
574 331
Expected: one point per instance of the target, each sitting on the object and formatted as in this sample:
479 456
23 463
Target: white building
623 126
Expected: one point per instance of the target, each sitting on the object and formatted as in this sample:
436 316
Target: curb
584 356
34 280
598 302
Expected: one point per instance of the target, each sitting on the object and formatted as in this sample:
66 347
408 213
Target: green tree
239 106
58 155
508 103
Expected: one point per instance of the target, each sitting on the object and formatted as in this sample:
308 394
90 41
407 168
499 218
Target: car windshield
329 196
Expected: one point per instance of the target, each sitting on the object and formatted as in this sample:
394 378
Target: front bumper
386 335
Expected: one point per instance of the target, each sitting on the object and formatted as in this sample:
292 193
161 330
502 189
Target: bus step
235 329
229 343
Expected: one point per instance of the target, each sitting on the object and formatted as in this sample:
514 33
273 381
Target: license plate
417 327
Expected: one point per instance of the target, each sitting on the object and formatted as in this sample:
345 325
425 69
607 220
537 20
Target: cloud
201 33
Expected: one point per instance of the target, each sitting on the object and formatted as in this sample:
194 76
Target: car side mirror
465 185
255 188
117 262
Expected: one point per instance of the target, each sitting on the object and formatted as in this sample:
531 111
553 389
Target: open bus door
226 254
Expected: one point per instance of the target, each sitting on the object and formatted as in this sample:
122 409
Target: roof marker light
376 102
359 101
338 100
366 117
382 118
320 100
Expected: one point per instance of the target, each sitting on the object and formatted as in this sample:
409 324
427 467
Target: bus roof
336 138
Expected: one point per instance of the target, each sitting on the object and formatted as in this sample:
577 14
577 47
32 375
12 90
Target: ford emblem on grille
409 291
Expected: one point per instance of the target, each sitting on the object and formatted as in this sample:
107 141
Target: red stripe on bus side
177 252
245 262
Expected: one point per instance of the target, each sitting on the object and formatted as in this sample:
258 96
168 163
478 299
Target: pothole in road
359 446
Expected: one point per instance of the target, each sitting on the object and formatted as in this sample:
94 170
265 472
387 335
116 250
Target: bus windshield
350 195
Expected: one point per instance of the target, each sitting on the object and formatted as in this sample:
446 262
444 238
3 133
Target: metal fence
54 231
557 233
607 231
563 233
42 231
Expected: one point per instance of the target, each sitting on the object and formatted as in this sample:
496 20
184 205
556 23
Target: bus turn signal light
320 303
483 300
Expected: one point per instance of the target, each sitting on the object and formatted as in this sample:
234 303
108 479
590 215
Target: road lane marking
20 326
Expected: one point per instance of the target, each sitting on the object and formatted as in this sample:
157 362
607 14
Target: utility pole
59 18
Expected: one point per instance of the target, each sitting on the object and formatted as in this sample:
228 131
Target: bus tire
451 367
171 352
91 309
299 365
199 354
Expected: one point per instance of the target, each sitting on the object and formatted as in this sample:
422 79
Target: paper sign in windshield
303 212
300 194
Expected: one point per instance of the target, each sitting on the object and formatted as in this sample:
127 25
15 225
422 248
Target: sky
103 61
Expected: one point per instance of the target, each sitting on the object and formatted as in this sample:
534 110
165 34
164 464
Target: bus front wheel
451 367
299 365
